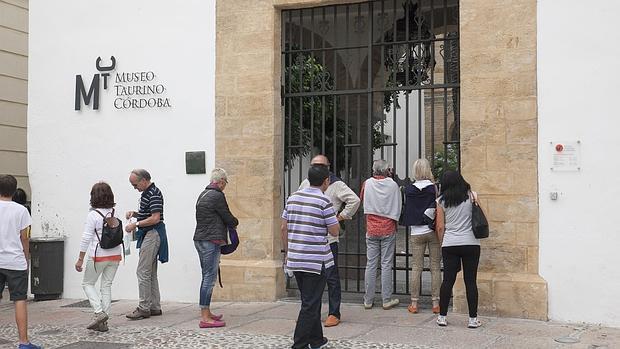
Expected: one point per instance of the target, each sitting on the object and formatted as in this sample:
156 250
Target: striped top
151 201
308 213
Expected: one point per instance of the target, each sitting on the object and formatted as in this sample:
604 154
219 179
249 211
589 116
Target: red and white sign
566 156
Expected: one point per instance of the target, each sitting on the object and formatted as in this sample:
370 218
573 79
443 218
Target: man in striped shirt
152 242
307 219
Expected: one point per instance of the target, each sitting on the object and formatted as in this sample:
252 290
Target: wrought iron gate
365 81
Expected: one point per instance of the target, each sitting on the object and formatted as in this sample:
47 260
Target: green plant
307 118
445 160
310 123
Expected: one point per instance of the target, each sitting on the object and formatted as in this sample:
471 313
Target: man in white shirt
338 193
14 254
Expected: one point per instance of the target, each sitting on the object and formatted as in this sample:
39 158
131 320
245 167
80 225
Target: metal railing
362 81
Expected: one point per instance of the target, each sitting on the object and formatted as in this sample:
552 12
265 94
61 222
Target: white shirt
13 219
339 193
89 239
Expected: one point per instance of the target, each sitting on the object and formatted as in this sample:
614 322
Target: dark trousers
309 329
453 256
333 283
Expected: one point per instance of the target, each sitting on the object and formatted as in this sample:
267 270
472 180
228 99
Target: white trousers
99 301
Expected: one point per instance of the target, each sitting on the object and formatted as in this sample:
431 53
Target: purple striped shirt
308 213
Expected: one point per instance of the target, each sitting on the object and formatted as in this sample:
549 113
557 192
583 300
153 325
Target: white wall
578 74
68 151
403 165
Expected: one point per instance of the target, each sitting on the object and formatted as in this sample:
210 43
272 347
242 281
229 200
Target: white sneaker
442 321
368 305
390 304
474 322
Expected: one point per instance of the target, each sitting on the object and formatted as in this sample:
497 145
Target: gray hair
218 174
141 174
422 170
380 167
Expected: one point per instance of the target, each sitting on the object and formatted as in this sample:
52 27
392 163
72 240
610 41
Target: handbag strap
104 216
96 234
473 196
207 190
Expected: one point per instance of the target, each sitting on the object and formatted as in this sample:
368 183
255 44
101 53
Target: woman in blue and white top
458 244
419 215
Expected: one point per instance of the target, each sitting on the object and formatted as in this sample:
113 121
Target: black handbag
479 223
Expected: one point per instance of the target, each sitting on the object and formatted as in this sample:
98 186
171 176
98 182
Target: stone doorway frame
499 146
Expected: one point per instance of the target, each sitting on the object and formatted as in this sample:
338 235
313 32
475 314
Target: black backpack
111 232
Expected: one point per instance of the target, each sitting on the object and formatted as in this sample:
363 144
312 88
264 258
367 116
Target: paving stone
274 326
81 304
95 345
271 325
156 337
347 330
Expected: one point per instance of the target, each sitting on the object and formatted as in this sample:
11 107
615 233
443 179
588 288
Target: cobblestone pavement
61 324
154 337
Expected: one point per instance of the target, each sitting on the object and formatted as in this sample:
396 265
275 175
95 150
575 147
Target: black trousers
309 329
453 256
333 283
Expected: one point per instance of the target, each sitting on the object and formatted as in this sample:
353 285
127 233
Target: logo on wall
133 90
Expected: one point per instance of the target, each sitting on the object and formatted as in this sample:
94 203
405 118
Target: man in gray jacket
213 217
338 193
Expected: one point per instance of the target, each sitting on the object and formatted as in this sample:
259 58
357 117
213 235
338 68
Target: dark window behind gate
366 81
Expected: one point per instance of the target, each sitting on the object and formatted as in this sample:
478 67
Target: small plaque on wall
195 162
566 156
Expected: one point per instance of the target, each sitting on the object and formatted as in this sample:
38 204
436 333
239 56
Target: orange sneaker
413 309
332 321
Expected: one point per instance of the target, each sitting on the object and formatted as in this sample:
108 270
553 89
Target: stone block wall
498 146
14 90
499 151
247 116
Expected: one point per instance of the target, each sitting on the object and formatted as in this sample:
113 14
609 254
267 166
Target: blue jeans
333 283
209 254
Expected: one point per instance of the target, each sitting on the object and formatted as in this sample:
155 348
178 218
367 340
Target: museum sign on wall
129 90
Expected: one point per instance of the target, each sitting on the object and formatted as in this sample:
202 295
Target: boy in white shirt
14 254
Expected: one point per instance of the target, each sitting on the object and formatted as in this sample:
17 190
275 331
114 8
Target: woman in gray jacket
213 217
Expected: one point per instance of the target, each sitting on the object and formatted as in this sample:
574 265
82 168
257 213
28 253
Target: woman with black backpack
101 261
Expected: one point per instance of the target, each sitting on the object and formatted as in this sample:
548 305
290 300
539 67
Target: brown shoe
413 309
103 327
98 318
332 321
436 309
138 314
